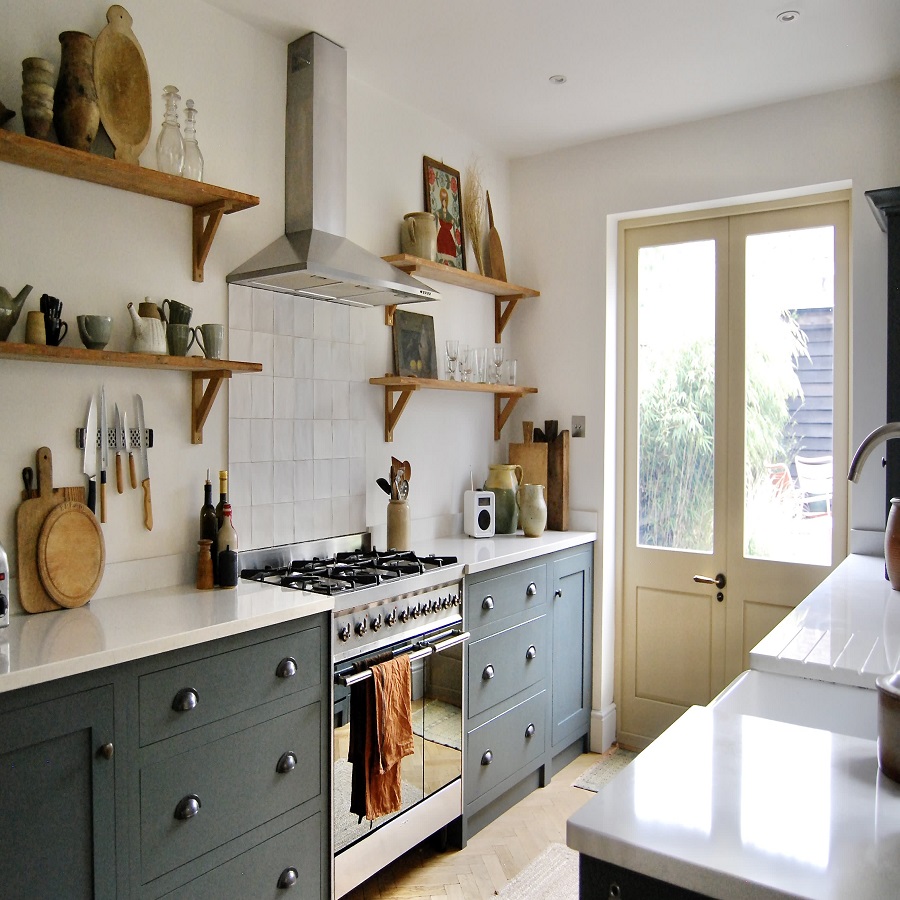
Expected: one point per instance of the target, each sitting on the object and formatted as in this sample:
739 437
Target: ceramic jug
532 509
149 333
503 482
10 308
418 235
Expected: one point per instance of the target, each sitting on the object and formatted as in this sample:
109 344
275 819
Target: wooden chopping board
558 488
495 248
30 518
123 85
71 554
531 457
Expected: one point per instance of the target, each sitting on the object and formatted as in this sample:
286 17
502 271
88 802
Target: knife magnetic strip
134 437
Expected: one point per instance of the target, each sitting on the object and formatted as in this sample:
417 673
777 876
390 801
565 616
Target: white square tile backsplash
296 431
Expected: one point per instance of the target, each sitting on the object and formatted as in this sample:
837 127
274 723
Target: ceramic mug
177 313
55 330
35 333
179 338
210 338
95 331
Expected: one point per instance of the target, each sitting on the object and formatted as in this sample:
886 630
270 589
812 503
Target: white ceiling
631 65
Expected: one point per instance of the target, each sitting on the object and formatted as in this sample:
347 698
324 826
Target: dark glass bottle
223 497
209 523
227 546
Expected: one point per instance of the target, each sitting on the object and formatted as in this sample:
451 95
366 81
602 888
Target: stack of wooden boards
544 458
60 547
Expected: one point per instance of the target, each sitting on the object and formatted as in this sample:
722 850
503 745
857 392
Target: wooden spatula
495 248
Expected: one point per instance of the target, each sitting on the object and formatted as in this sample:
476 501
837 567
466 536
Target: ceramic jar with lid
503 482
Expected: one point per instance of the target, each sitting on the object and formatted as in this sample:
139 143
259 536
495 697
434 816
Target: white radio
478 513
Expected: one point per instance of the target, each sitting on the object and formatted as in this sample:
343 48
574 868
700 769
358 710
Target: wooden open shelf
208 202
399 388
213 371
503 291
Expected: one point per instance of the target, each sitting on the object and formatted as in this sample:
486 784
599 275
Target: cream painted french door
735 365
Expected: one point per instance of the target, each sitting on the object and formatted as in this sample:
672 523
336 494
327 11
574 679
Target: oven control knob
404 615
429 607
377 622
454 600
361 628
344 633
392 618
447 602
417 611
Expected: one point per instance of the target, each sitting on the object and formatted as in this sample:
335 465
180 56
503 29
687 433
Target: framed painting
443 198
414 350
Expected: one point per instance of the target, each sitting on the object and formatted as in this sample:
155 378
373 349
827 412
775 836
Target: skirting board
603 728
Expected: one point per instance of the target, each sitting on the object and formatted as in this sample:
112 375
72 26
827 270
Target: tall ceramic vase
76 110
892 544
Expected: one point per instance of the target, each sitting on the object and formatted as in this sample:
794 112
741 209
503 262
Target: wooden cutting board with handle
495 248
30 518
531 457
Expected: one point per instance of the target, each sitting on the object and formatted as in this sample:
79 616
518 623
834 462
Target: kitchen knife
104 452
126 441
90 455
145 462
120 439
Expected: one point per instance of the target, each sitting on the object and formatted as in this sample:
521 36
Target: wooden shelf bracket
202 399
205 225
502 314
393 408
503 410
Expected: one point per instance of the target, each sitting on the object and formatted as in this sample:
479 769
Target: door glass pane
676 395
789 390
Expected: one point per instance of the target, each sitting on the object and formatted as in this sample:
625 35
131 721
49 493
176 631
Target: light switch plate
577 426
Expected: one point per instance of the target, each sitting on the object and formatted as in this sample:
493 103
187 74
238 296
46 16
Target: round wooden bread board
71 554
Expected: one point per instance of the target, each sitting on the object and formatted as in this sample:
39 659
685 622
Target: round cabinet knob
488 673
362 627
188 807
287 668
557 594
487 758
487 603
529 731
106 751
185 700
287 762
344 633
288 878
531 590
531 652
377 622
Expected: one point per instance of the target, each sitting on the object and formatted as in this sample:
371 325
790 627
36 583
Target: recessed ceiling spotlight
789 15
558 79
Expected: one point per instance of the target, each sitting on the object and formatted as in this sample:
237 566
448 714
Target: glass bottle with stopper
193 158
170 144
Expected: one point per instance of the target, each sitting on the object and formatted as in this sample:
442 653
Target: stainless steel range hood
313 258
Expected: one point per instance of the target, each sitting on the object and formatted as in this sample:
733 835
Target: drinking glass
497 352
510 371
480 364
452 357
466 355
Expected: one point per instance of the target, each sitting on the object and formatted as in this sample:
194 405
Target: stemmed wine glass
452 356
498 362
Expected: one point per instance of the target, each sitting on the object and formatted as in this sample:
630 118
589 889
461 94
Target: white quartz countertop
112 630
847 631
736 806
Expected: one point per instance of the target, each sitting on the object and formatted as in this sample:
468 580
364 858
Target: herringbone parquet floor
492 857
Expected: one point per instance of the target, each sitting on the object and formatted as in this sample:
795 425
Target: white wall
560 210
97 249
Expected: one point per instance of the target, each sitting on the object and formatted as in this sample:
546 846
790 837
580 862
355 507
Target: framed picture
414 351
443 198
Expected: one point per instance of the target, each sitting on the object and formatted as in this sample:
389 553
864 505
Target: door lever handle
718 581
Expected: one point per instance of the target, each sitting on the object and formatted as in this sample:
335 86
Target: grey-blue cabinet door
57 803
571 613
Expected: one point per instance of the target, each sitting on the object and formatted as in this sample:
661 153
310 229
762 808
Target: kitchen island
744 799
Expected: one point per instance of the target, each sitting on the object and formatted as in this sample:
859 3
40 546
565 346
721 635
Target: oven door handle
421 651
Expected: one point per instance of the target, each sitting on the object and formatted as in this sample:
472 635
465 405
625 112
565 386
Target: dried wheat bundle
473 213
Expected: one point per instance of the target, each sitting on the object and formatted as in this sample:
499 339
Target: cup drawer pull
487 758
287 668
529 731
531 652
185 700
188 807
288 878
488 673
287 762
487 603
531 590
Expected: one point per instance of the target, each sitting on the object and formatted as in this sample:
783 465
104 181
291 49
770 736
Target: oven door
436 706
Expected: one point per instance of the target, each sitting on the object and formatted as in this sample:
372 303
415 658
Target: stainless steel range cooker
402 603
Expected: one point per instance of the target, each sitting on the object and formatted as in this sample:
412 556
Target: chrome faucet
883 432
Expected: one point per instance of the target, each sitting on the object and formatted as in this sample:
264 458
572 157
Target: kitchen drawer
264 872
176 700
515 593
504 744
505 663
234 784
